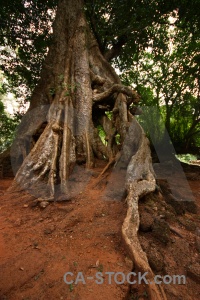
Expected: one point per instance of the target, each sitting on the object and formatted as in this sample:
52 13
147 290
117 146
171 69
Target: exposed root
96 79
101 177
50 199
109 164
140 181
116 88
176 231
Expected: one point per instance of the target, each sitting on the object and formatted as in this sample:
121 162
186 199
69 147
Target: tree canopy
120 27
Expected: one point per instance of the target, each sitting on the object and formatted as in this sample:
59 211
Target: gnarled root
140 181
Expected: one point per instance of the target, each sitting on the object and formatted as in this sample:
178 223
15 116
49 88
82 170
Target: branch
190 133
116 49
194 124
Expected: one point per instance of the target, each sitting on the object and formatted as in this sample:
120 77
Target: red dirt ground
38 246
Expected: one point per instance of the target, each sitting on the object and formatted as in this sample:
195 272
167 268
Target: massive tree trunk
77 86
60 130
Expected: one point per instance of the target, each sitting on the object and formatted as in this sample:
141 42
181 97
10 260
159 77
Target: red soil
38 246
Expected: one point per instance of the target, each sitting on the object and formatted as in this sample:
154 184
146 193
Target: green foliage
102 133
186 158
71 287
167 77
7 128
124 25
109 114
117 139
25 34
152 122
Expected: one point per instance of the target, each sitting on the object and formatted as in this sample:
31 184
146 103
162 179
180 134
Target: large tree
60 130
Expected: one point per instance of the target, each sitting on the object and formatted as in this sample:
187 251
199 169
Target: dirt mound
83 234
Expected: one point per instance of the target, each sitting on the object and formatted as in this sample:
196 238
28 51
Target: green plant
186 157
102 134
71 287
8 126
100 268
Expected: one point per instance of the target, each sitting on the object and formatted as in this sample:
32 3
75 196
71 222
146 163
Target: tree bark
60 130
